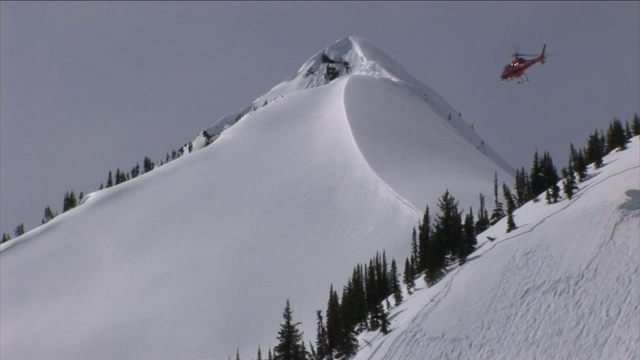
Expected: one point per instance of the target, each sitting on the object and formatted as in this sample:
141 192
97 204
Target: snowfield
197 258
564 285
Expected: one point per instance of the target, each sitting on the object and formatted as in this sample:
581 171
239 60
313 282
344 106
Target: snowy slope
197 258
564 285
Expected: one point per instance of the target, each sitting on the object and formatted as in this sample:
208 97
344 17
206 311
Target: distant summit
354 56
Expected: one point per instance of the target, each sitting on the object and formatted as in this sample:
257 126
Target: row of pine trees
71 200
437 244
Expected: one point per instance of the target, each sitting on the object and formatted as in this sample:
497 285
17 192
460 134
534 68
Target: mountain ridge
281 204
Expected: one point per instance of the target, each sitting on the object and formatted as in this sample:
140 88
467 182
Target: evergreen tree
110 180
549 172
436 257
635 125
351 314
576 158
135 171
48 215
595 151
446 238
522 186
469 238
312 351
423 240
628 134
395 283
373 296
5 237
148 165
323 352
482 223
19 230
259 354
118 176
383 320
536 182
290 344
383 277
415 253
498 212
408 277
334 325
69 202
237 354
569 186
616 137
511 207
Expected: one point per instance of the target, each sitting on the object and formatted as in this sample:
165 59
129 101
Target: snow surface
564 285
198 257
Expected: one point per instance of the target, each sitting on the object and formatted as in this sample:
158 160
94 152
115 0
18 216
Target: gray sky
88 87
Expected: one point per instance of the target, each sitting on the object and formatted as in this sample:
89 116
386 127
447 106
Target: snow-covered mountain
198 257
564 285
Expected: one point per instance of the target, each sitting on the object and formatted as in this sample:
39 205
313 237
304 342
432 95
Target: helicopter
516 68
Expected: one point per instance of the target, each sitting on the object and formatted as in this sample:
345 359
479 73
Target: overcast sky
89 87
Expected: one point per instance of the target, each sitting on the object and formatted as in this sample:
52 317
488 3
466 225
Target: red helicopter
515 69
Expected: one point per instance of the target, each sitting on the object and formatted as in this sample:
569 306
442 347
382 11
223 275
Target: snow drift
197 258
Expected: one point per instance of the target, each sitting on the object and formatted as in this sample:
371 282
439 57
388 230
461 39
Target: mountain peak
347 56
351 55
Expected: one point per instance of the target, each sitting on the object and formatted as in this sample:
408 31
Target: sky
90 87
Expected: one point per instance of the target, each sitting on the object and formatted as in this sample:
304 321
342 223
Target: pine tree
522 186
536 182
635 125
628 134
498 212
482 223
615 136
373 296
423 240
290 344
69 202
549 172
334 324
110 180
469 238
576 158
5 237
595 151
383 320
259 354
48 215
135 171
148 165
395 283
569 186
415 253
323 352
312 355
19 230
446 238
237 354
511 207
408 277
118 176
